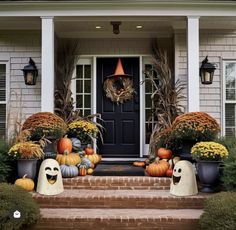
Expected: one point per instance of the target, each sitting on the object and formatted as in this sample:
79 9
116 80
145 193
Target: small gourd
82 170
89 150
25 183
90 171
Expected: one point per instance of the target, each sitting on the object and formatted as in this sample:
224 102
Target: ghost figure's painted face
51 174
177 175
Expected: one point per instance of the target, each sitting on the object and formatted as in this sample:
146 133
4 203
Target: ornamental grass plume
26 150
197 126
209 151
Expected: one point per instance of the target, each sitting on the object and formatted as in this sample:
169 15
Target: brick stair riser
121 202
118 224
117 183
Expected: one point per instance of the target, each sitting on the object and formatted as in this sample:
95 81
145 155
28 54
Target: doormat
118 169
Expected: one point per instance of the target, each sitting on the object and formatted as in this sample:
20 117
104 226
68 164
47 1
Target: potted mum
208 156
193 127
83 130
27 153
45 125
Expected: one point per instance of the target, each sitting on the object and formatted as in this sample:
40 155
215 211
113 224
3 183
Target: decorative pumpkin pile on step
89 160
67 159
163 164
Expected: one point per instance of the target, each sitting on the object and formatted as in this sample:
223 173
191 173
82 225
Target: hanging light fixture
207 72
30 73
116 27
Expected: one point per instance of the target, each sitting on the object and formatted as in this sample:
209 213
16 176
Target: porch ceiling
85 27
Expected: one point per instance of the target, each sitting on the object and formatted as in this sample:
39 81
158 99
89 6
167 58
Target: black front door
121 121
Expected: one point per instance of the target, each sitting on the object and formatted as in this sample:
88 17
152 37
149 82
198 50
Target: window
230 98
2 100
150 120
83 88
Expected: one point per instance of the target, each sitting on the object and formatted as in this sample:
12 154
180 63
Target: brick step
117 182
148 199
117 219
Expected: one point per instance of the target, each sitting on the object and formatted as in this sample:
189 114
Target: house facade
188 30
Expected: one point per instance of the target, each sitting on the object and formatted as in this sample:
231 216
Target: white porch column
193 64
47 85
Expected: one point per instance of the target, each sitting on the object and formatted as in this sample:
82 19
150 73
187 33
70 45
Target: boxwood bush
7 164
228 176
219 212
13 198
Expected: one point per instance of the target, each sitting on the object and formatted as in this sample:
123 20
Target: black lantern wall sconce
30 73
207 72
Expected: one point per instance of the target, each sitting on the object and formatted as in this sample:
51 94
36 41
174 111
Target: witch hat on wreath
119 71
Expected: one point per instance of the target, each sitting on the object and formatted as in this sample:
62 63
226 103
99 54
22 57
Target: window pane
230 94
87 101
148 132
2 120
230 115
79 71
148 101
87 112
230 75
79 101
148 87
87 71
87 86
79 86
148 114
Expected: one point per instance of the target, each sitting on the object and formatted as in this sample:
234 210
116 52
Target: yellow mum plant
209 151
26 150
84 130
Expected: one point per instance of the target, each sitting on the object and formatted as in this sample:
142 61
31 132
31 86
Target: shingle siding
16 48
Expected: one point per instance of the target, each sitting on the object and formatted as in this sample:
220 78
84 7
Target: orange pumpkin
89 150
64 145
157 168
139 163
82 171
164 153
68 159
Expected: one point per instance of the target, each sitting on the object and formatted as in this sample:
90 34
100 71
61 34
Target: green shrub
219 212
228 176
7 164
14 198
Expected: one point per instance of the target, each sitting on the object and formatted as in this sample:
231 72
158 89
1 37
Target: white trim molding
47 85
193 63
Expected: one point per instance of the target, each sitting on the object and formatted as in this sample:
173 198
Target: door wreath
119 87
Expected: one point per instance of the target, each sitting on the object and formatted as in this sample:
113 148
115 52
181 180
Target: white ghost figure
50 179
183 181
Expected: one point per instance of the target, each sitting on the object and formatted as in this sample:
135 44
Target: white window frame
224 101
84 61
6 102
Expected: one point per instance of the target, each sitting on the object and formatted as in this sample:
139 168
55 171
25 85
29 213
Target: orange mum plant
44 124
197 126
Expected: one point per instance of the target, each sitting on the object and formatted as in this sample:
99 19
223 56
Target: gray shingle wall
217 44
16 48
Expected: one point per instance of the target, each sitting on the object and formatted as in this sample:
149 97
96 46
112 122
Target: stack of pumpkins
66 158
163 164
75 163
89 161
